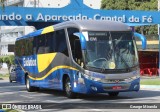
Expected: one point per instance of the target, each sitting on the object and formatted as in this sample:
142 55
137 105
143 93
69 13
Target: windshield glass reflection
111 50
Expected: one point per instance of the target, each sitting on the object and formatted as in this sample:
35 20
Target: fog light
75 84
93 88
135 86
80 80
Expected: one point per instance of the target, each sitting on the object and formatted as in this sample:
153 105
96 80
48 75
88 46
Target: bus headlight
88 76
80 79
132 78
135 77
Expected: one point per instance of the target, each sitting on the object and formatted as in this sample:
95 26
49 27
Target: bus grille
112 80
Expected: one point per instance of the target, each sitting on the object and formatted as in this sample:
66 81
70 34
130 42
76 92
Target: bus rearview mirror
142 38
82 40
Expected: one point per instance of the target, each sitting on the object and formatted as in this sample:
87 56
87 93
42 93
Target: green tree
1 59
12 58
1 62
2 4
9 60
114 4
133 5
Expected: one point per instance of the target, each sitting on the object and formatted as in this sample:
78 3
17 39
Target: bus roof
83 25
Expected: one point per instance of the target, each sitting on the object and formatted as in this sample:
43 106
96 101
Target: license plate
116 87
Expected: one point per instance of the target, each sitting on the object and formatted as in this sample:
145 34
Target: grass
155 81
4 76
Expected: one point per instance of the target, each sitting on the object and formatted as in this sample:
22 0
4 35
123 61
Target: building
149 58
9 34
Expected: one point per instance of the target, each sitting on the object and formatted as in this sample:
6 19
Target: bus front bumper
90 86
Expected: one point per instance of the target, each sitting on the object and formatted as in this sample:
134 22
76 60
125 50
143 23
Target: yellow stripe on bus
52 70
44 60
47 30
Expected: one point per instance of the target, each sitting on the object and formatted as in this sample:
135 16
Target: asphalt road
16 93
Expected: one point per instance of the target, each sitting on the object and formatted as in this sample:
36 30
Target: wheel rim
68 87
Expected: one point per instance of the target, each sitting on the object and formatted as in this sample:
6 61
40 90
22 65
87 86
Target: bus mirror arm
142 38
82 40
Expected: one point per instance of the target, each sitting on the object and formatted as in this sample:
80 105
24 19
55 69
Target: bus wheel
113 94
28 86
68 89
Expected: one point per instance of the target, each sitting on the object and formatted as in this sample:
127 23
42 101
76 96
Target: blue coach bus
87 56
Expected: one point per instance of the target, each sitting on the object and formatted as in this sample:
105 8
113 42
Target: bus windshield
111 50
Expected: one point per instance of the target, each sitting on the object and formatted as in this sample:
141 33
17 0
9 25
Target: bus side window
50 43
17 48
47 43
61 44
78 51
27 47
22 48
34 45
41 44
75 45
30 46
53 42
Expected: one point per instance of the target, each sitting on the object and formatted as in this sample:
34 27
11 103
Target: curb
150 86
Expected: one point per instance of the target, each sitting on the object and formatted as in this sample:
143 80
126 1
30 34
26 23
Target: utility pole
159 37
38 3
35 2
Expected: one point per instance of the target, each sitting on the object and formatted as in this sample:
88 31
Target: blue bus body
49 67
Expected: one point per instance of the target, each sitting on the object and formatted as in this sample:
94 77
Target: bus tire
28 86
68 88
113 94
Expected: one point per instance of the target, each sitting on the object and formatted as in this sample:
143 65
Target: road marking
40 94
64 100
13 101
48 110
70 100
98 110
11 86
52 101
10 92
26 96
